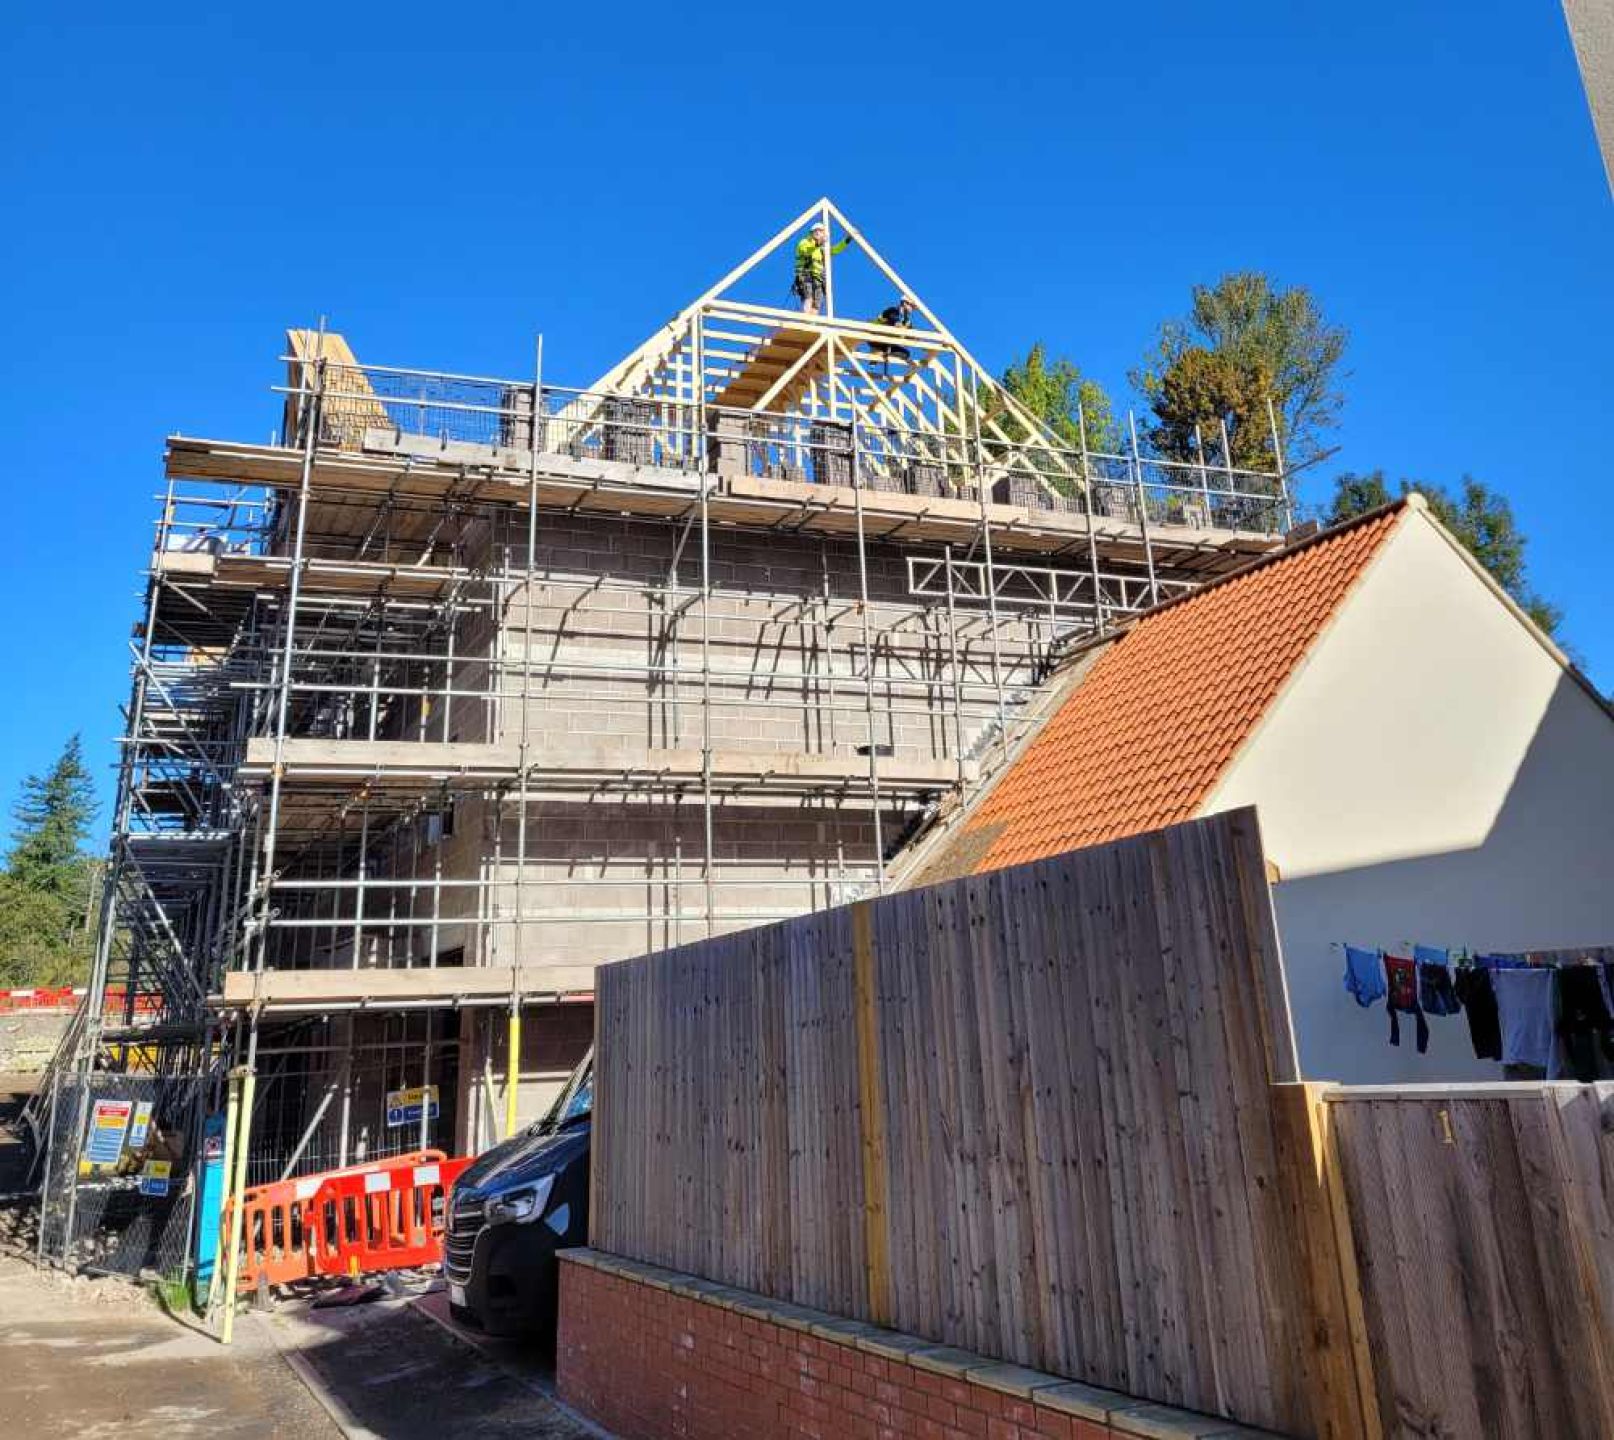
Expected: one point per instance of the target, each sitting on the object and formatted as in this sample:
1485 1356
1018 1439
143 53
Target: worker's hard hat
820 226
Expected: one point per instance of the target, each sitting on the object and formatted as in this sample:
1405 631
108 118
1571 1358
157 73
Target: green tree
1201 396
53 822
1245 339
1058 394
43 941
1480 517
1357 494
47 889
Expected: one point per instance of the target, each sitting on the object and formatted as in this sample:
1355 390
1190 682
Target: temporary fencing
385 1215
64 997
67 997
117 1151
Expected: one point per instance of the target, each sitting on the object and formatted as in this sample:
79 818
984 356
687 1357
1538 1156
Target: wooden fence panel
1027 1113
1483 1224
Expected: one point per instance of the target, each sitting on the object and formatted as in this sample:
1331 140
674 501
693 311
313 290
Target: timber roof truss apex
770 374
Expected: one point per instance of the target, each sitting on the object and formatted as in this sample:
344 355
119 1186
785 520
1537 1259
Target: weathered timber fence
1029 1114
1483 1223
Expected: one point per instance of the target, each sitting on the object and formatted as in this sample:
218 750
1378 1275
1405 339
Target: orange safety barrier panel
66 997
62 998
289 1230
387 1220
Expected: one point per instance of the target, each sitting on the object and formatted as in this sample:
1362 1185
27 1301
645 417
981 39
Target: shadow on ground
403 1371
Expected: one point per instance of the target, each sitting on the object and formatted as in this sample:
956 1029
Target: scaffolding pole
311 424
382 601
868 642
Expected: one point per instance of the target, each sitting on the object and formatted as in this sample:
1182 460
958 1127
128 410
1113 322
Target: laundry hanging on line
1435 993
1402 974
1558 1023
1477 996
1585 1021
1364 975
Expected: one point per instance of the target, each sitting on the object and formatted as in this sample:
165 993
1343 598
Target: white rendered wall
1431 774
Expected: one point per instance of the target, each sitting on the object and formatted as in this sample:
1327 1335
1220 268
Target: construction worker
808 286
899 317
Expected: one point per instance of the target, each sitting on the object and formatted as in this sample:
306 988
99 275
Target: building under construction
467 685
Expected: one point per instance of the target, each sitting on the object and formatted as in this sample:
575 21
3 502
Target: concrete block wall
785 624
398 850
809 854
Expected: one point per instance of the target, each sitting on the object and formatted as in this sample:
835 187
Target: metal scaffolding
468 671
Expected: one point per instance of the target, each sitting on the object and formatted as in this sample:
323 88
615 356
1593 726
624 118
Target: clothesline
1547 1012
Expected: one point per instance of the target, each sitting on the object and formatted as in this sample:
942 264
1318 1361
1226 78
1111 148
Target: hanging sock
1478 999
1524 1006
1364 975
1402 975
1584 1026
1435 993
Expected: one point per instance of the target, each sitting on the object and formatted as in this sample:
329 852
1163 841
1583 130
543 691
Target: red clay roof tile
1148 732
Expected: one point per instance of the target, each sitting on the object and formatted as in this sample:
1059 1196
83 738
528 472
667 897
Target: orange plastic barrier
66 997
382 1215
388 1220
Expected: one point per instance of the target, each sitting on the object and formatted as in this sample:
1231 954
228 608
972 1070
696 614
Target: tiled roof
1147 733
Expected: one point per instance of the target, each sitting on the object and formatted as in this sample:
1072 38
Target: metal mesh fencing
119 1191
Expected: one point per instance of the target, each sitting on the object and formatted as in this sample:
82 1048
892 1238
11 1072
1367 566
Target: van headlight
519 1206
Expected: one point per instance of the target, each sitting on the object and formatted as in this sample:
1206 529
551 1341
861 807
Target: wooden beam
1339 1363
269 990
871 1115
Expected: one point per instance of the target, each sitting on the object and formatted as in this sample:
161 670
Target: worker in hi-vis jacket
809 283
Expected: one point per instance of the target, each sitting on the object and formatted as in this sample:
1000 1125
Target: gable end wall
1430 773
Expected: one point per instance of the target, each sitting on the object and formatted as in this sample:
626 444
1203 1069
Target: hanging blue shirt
1504 962
1364 975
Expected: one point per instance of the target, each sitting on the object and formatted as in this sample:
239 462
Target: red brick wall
647 1362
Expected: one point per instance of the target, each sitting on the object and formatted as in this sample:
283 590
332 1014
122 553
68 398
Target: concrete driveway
399 1369
96 1359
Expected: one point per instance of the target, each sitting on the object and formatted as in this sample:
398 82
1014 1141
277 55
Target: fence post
871 1113
1338 1370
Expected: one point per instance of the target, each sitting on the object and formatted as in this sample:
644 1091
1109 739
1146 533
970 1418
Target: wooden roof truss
908 393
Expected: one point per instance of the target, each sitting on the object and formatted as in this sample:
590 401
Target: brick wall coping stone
1123 1413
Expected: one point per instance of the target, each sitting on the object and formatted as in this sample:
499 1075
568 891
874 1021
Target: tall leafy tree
1203 397
1245 339
47 889
53 823
1482 518
1058 394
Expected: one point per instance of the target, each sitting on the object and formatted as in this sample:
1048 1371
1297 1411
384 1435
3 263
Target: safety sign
109 1123
142 1123
404 1106
154 1177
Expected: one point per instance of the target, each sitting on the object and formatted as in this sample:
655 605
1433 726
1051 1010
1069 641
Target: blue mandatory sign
405 1107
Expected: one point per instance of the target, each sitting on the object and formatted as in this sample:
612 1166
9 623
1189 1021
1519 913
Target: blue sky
446 184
